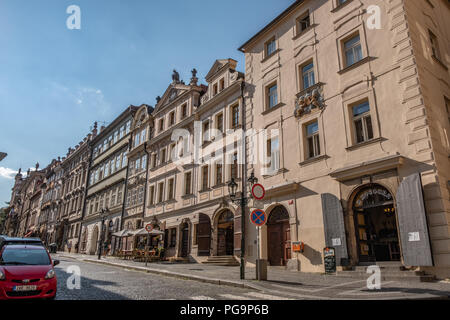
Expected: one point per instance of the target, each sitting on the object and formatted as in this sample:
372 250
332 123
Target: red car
26 271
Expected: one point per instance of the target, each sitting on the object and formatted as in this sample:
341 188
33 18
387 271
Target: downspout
83 211
244 182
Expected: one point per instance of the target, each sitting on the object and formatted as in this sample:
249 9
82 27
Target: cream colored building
188 196
359 132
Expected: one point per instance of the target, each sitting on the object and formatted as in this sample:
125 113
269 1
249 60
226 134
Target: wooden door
185 241
204 235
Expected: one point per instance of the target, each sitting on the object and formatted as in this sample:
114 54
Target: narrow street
122 282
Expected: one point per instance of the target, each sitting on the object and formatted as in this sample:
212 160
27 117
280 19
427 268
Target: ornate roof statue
175 76
194 78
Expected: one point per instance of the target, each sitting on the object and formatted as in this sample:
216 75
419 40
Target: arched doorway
278 237
184 240
94 241
84 240
375 225
225 234
204 235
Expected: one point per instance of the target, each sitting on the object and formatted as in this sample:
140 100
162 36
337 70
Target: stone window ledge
365 143
313 160
340 6
355 65
270 56
267 111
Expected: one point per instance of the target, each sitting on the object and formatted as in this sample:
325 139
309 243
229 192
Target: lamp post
242 201
103 214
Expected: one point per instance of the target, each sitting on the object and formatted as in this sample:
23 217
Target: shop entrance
225 234
184 240
278 237
376 225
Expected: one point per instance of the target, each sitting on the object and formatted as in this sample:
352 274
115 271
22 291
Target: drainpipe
83 211
244 184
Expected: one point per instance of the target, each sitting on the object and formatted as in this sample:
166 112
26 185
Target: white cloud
7 173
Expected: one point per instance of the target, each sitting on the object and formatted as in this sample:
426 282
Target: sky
55 82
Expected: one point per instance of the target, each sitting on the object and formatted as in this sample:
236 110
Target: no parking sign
258 217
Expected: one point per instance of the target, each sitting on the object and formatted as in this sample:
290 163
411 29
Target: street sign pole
258 258
148 247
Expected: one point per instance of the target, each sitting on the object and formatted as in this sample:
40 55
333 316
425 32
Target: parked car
5 240
27 271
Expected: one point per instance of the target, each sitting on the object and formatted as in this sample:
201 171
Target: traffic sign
258 191
148 228
258 217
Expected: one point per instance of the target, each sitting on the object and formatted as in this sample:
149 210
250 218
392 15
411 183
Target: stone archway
94 240
278 236
375 224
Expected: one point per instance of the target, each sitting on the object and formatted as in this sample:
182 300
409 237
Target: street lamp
242 202
103 214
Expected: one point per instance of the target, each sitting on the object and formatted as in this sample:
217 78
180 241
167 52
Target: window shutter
412 222
333 219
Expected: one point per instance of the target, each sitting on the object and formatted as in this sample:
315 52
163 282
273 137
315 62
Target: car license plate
24 288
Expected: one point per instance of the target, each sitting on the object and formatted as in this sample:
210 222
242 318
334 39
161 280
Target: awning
28 234
123 233
143 232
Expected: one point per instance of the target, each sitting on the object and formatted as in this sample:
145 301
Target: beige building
357 154
106 184
187 191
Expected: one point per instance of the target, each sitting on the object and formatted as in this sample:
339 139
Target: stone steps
388 272
221 261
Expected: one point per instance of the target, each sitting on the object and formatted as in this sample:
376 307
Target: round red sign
149 227
258 191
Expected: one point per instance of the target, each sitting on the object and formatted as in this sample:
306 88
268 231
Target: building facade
106 184
187 191
348 162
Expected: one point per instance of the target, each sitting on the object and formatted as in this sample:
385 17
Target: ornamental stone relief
309 100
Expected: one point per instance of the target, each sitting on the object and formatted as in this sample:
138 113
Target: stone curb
171 274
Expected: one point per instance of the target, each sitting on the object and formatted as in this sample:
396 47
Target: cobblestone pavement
281 284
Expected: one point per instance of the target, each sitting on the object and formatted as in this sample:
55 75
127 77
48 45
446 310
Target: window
122 132
218 173
144 162
173 237
205 177
303 23
128 127
187 183
234 116
152 195
153 160
161 192
107 169
215 90
113 167
118 162
272 95
119 196
161 125
221 84
362 122
137 139
205 131
140 197
163 156
138 164
183 111
273 154
143 135
219 121
434 45
124 159
113 198
171 151
116 136
312 139
271 47
308 75
172 118
234 166
170 189
353 51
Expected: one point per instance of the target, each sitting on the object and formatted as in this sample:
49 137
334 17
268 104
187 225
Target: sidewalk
292 284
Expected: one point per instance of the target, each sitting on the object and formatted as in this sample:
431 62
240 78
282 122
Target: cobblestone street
112 278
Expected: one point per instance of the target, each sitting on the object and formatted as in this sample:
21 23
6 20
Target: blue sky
55 82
